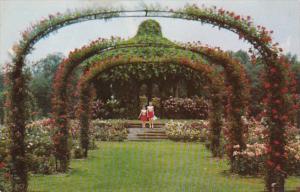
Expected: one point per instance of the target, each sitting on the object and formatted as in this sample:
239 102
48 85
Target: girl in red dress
150 114
143 117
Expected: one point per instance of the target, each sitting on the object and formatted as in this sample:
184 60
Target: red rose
268 149
277 154
284 118
270 163
237 17
284 90
295 106
277 101
267 85
2 165
273 70
276 142
278 168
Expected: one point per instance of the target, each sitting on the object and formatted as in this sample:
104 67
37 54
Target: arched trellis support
234 72
276 69
214 79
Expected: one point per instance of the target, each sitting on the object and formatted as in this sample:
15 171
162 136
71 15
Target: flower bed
183 108
252 160
39 144
109 130
102 130
187 131
39 148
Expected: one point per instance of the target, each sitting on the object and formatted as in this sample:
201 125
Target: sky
282 16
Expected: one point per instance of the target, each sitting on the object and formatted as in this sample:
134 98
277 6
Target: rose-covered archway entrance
149 40
214 81
278 103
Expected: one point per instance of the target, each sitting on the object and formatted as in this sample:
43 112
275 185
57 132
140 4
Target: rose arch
214 81
234 73
276 68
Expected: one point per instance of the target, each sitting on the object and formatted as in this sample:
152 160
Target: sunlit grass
149 166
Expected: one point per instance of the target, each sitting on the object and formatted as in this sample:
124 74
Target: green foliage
2 109
149 27
143 101
78 153
4 161
295 66
111 109
41 84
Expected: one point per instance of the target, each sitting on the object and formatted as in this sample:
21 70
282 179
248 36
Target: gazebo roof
149 32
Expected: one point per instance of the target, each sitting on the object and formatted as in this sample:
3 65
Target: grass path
149 166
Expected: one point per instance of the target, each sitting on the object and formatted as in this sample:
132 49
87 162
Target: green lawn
149 166
156 121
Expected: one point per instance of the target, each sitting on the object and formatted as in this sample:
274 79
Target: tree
41 83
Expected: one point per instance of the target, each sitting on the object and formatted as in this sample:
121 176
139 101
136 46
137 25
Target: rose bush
4 177
185 108
100 130
4 169
252 161
109 109
187 131
109 130
39 147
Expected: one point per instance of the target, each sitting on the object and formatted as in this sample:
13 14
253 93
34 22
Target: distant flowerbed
250 161
103 130
185 108
187 131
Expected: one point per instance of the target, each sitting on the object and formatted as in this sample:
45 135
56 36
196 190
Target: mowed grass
164 166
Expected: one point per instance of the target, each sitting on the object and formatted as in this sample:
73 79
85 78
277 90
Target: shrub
185 108
249 162
78 153
109 130
252 160
4 177
103 130
143 101
187 131
106 110
39 146
98 110
4 169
